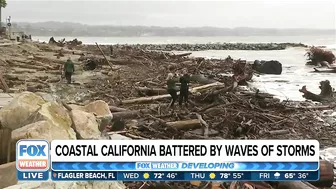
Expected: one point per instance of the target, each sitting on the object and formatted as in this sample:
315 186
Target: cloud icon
277 174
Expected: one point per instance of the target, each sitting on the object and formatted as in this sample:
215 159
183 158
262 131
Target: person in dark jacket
69 69
171 88
184 90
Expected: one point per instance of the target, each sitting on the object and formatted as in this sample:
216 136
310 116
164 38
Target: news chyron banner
168 160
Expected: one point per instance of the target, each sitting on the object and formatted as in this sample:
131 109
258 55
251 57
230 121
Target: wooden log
151 91
129 114
117 109
159 97
326 175
186 124
295 185
325 181
180 55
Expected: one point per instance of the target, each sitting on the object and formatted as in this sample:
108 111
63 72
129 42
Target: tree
3 4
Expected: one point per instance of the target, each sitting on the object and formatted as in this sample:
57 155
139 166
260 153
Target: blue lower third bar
32 175
184 166
184 176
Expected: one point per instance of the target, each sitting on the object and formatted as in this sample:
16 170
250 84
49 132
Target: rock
102 112
46 96
69 185
77 107
85 124
16 113
42 130
50 118
268 67
99 108
119 137
8 175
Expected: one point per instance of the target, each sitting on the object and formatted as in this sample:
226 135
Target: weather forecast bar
185 176
184 166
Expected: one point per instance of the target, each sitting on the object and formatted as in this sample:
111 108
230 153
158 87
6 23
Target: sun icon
212 175
145 175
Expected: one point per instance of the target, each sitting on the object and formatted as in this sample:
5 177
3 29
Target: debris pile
62 42
125 94
316 56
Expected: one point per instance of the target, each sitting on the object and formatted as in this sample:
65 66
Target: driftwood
326 179
205 124
325 70
187 124
151 91
159 97
109 63
117 109
295 185
326 92
180 55
129 114
326 175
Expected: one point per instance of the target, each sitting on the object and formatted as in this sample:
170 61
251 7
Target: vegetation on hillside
77 29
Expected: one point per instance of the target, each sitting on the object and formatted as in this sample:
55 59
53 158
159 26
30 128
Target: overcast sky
319 14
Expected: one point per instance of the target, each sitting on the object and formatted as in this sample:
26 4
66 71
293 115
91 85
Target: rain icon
277 175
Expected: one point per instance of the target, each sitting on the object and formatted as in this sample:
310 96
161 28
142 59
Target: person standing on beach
184 90
171 88
69 69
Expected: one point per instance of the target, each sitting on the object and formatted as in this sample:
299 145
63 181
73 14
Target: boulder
46 96
85 124
16 113
268 67
99 108
50 122
8 175
102 112
76 107
68 185
42 130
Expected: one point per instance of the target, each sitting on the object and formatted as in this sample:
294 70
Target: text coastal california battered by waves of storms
180 150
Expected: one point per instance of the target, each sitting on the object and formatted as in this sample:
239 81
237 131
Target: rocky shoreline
213 46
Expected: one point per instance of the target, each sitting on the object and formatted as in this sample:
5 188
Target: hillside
77 29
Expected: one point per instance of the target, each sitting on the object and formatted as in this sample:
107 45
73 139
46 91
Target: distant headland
76 29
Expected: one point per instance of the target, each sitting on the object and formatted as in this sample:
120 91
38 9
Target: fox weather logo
32 155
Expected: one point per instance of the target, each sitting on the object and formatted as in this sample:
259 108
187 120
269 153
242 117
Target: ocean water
295 73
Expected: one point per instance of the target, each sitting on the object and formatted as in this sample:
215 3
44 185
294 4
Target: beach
285 86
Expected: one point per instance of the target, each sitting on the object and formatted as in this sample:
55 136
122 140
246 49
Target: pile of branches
62 42
317 55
